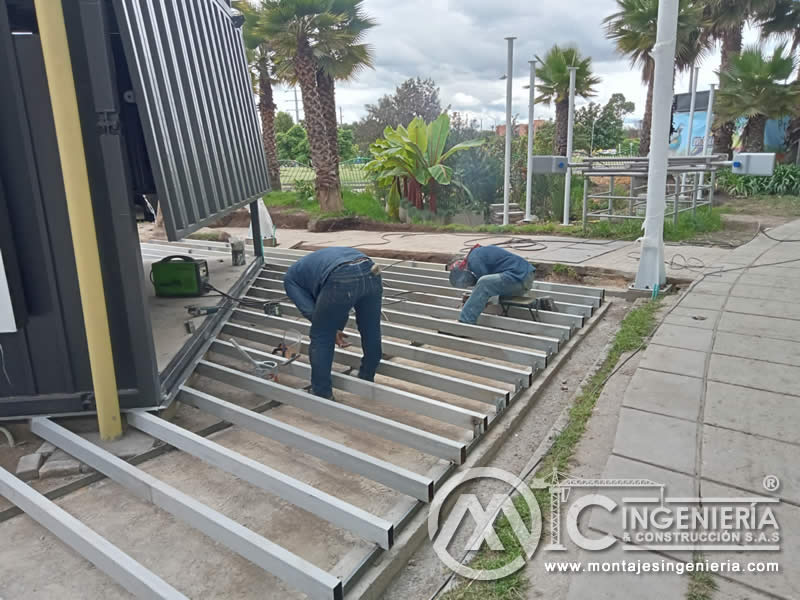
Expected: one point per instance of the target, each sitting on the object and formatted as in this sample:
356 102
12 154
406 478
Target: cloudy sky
460 44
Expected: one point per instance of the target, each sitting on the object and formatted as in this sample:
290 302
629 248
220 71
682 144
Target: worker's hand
341 340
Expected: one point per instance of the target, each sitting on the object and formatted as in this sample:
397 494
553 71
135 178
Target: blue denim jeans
498 284
348 287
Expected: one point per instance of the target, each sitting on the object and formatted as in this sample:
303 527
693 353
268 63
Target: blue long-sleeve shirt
490 260
305 278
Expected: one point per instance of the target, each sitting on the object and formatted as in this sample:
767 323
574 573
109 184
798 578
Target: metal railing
687 191
352 173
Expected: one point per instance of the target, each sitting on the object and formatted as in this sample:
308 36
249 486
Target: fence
686 192
351 173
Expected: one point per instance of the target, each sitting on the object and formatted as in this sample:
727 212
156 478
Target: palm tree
342 57
553 86
633 29
783 20
753 87
725 23
296 29
260 57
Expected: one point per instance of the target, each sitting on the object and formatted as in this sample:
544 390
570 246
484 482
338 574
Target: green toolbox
179 276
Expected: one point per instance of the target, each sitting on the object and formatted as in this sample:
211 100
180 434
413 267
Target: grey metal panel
96 549
197 108
271 557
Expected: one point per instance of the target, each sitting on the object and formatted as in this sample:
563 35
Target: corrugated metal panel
197 108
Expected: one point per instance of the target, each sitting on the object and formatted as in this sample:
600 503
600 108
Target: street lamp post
652 273
531 133
509 81
591 145
570 133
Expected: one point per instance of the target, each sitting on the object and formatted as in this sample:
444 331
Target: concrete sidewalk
713 412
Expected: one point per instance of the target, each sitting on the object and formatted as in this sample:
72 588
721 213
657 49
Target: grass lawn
688 227
773 206
360 204
349 174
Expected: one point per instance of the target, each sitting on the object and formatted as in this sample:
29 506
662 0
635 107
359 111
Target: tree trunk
327 98
723 132
327 180
562 126
647 121
266 106
432 197
754 134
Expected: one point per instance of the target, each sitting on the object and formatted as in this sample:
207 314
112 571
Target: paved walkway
609 254
713 411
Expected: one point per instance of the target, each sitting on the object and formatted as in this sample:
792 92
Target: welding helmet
460 275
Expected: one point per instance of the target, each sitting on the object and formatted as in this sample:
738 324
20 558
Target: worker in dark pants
493 271
325 285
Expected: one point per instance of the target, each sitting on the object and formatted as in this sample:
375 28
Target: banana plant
408 159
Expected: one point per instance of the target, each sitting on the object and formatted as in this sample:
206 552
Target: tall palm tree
725 23
633 29
296 29
754 88
783 20
342 57
553 86
260 56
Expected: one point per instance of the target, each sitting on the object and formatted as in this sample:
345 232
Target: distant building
520 129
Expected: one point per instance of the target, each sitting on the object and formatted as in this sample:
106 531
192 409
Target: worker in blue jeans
493 271
325 285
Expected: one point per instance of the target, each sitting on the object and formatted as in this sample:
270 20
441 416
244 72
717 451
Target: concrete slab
624 586
743 460
702 300
693 317
681 336
772 327
753 411
786 310
743 290
760 348
28 466
676 485
637 432
785 584
760 375
715 288
665 393
132 443
60 464
674 360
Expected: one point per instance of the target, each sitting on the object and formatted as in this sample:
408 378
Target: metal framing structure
497 385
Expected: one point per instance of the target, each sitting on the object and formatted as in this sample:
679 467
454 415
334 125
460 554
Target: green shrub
785 181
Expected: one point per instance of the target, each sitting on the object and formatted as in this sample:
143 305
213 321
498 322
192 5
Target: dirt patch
288 217
237 218
344 223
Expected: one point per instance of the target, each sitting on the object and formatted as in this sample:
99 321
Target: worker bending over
493 271
325 285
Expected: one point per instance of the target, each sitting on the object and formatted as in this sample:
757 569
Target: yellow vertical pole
61 82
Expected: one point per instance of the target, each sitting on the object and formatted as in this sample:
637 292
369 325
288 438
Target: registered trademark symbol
771 483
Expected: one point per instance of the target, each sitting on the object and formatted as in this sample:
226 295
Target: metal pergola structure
455 368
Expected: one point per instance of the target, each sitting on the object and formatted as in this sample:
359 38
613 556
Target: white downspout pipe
707 135
652 271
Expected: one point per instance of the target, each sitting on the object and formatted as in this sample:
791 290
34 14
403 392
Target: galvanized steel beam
282 563
112 561
412 437
441 411
332 509
394 477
